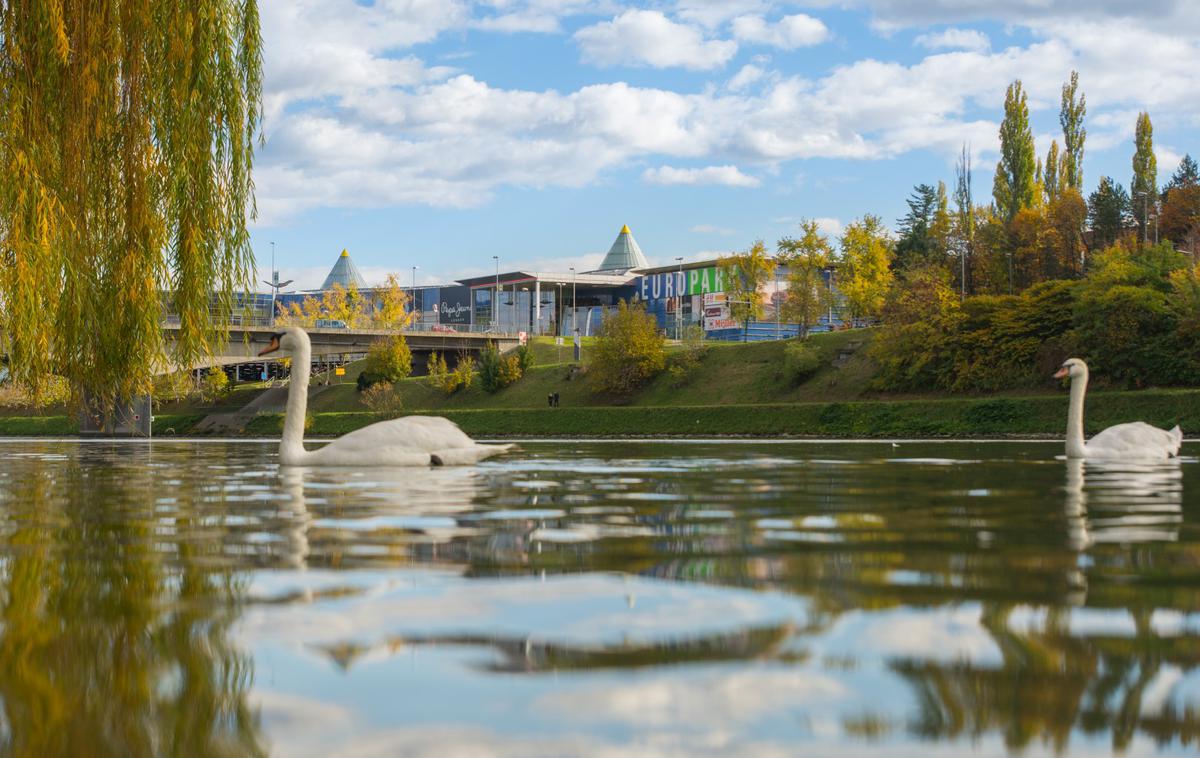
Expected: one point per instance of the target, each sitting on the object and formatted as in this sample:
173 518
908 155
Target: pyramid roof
344 273
624 254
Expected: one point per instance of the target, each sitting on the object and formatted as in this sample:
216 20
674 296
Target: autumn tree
390 359
390 306
806 258
865 271
1050 179
628 351
1072 109
745 274
1143 189
1014 185
1180 218
125 182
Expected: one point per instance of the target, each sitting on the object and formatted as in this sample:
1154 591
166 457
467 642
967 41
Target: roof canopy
344 273
624 254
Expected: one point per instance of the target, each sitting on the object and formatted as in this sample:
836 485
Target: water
583 598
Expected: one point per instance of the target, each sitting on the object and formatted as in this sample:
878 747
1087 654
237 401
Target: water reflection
584 598
115 638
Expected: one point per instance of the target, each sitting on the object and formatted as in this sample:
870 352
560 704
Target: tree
1144 187
125 159
806 258
915 245
1108 212
964 219
628 352
1187 175
744 275
390 359
391 309
865 272
1050 180
1070 116
1013 187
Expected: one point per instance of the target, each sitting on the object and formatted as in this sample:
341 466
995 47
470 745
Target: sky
440 133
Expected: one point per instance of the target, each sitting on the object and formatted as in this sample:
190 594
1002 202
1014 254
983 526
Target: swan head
1072 368
285 341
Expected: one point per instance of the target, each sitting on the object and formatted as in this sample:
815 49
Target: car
330 323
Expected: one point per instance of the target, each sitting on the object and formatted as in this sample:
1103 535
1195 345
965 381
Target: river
598 598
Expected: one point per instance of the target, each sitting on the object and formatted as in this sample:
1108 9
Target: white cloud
955 39
789 33
729 176
749 74
649 38
710 229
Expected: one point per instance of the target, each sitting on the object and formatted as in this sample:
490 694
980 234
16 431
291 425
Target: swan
1136 440
408 441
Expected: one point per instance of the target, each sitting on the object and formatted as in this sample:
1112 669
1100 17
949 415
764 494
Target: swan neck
291 447
1075 445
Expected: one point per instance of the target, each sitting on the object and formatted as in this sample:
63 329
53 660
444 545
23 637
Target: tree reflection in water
1054 678
115 621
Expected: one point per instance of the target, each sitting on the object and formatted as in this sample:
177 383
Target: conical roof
344 273
624 254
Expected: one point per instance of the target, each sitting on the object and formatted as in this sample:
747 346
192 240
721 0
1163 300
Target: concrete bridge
244 343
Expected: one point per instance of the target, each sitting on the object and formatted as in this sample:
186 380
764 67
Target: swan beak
271 347
1062 373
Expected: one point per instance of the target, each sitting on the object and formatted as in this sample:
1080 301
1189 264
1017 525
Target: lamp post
679 300
274 284
414 294
574 315
496 297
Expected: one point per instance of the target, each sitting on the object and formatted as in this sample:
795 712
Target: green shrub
497 371
368 379
800 361
525 357
215 385
390 359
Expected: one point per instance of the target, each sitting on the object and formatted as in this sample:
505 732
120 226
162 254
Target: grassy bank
900 418
59 425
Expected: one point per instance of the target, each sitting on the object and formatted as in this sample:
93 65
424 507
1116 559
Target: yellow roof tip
344 253
625 229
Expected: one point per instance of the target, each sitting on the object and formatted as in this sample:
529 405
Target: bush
497 371
368 379
215 385
628 352
525 358
800 361
442 379
390 359
382 397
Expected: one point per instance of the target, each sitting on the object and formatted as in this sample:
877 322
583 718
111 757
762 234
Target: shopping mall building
559 303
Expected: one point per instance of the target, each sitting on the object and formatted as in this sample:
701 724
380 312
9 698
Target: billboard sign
454 305
671 284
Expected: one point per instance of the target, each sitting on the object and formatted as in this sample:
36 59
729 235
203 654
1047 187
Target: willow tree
127 132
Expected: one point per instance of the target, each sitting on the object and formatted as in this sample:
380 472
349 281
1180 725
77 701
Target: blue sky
438 133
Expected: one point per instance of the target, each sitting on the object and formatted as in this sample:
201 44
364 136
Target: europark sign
705 284
696 281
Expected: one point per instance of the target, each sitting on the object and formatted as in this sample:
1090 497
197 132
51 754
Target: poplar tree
1051 178
1143 190
1014 185
865 273
126 146
1070 116
964 217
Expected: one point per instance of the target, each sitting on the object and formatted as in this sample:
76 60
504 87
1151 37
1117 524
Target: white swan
408 441
1123 441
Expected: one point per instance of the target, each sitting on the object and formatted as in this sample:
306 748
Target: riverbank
971 417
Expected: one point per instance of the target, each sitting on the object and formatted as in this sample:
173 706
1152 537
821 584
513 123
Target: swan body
1136 440
408 441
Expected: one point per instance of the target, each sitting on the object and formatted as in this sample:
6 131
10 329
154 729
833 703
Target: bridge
245 342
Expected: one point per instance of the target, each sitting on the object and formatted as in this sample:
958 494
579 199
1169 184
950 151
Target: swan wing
1136 440
407 441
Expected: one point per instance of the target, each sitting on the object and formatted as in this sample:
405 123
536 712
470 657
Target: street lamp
1146 215
496 297
679 300
413 292
274 284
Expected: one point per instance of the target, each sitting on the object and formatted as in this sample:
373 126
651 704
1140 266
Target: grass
901 418
164 424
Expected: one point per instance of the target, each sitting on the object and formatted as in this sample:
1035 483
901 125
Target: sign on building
454 306
672 284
